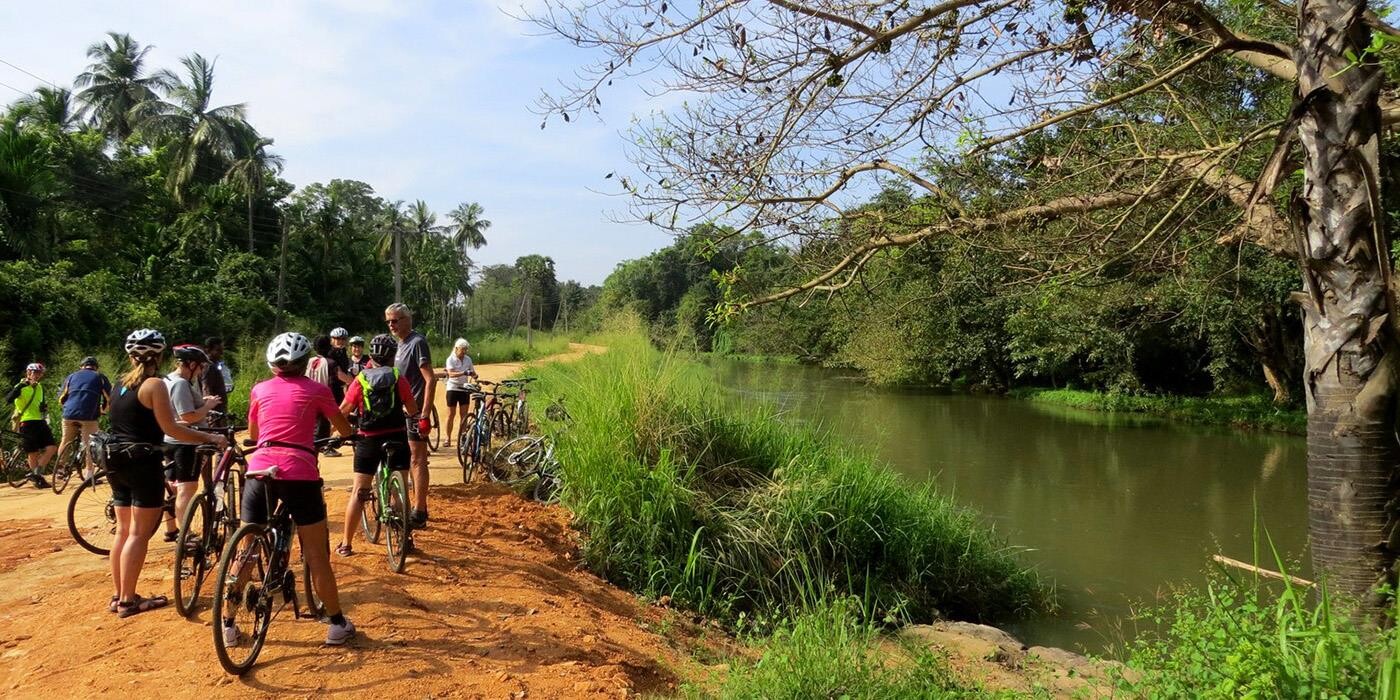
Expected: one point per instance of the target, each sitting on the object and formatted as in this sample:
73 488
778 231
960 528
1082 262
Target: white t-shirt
458 365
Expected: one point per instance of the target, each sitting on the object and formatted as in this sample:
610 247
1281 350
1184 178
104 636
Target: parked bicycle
517 412
474 440
255 579
69 461
527 464
210 520
386 511
14 463
92 517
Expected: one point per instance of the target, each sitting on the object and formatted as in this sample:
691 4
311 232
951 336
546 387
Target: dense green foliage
137 201
1241 412
735 514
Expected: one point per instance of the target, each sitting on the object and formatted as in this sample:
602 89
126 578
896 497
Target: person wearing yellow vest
31 410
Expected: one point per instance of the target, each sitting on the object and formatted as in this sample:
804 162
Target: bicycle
435 432
528 459
388 505
212 516
254 571
68 460
92 517
14 462
518 413
477 427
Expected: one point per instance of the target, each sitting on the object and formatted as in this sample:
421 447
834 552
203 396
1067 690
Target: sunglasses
392 321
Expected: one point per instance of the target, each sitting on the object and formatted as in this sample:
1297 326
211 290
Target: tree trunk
250 222
1270 350
1348 343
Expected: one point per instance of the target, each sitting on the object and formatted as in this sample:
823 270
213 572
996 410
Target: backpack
380 408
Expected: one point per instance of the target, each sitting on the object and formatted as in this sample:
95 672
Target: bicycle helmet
383 348
286 349
191 353
339 332
34 367
88 362
357 340
145 344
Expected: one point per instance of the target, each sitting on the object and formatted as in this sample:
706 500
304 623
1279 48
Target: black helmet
383 348
191 353
88 361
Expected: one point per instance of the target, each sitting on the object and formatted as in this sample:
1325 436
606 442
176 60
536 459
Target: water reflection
1115 509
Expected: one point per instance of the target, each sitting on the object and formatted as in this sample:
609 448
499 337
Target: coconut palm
468 228
200 134
115 83
49 107
251 165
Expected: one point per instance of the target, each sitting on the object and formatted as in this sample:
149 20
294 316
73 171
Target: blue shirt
84 393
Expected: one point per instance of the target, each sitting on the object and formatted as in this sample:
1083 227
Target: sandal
172 535
344 550
141 605
112 606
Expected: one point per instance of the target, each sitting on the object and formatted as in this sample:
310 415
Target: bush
735 514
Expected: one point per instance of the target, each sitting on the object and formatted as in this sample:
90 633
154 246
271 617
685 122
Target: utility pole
282 274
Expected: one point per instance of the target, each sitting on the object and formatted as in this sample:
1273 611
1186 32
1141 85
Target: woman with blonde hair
141 417
460 373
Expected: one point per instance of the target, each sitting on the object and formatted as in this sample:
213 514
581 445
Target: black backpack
380 406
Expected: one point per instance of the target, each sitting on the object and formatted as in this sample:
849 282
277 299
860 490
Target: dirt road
494 606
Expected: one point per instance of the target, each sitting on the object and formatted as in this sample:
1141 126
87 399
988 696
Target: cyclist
460 372
85 396
141 417
217 379
382 398
358 358
282 413
191 409
339 356
415 363
31 411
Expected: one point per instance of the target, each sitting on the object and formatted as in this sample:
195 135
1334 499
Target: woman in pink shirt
282 414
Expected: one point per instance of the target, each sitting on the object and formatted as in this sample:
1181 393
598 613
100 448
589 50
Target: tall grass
497 347
737 515
1254 412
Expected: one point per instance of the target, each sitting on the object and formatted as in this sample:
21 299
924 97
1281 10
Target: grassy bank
1251 412
734 514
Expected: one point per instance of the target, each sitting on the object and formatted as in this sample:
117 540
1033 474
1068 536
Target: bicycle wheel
92 519
241 594
466 448
434 433
314 606
546 486
369 514
69 460
16 467
512 461
396 517
193 557
522 419
501 422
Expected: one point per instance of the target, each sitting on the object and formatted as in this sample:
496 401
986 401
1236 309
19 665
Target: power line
22 92
40 79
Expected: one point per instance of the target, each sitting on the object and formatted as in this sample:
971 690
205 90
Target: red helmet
34 367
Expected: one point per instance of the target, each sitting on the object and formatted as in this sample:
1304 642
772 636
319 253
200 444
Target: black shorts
137 482
370 450
413 434
35 435
303 499
458 397
183 464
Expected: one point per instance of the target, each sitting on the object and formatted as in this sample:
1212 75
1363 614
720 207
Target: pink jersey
285 410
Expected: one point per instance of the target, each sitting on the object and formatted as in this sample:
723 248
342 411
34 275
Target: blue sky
420 99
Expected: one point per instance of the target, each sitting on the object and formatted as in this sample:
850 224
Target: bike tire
197 527
16 467
546 487
68 461
315 607
522 419
229 603
463 455
92 519
435 431
396 534
369 514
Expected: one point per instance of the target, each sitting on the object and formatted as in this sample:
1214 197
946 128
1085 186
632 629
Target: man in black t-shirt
340 363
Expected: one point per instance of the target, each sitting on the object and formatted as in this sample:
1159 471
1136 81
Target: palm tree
200 133
50 107
252 162
115 83
468 228
422 224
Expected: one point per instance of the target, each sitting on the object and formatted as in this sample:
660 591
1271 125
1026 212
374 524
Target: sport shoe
340 634
331 452
230 635
39 482
418 519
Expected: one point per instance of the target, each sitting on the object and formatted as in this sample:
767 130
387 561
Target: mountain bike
14 462
92 517
386 511
210 519
527 463
518 412
435 432
255 579
70 459
474 440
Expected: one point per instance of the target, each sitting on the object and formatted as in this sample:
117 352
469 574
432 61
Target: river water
1115 510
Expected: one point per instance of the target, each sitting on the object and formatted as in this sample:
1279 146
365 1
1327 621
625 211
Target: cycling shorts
36 435
370 450
457 397
183 464
139 481
303 500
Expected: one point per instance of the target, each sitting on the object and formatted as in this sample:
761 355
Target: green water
1116 512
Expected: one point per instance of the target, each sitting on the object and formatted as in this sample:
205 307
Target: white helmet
287 348
145 343
339 333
